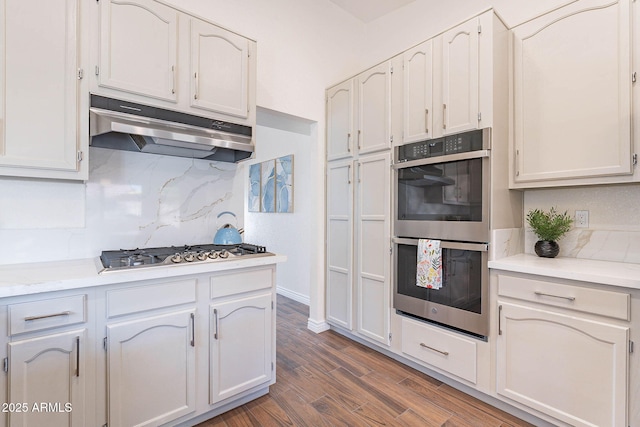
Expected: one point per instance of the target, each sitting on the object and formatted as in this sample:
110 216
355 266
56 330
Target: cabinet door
374 242
219 69
572 87
374 109
460 78
241 345
418 93
151 369
47 375
40 131
138 47
339 243
567 367
340 121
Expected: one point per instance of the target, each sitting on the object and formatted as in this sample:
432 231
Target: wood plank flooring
329 380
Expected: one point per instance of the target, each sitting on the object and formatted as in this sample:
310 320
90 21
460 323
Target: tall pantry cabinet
360 133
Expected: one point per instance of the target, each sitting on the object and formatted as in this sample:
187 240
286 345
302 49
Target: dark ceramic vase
547 248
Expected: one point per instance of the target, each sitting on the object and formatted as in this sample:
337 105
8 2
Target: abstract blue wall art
284 184
268 186
254 188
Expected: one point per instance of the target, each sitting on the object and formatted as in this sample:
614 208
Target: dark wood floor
328 380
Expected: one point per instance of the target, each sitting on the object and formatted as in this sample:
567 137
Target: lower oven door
463 300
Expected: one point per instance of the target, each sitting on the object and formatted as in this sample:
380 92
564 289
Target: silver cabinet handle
195 95
193 330
444 116
349 142
423 345
499 320
173 79
215 318
542 294
77 356
426 120
46 316
348 174
359 132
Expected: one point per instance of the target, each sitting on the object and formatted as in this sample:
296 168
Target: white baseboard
304 299
317 327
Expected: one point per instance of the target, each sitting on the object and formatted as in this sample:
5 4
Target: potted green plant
549 227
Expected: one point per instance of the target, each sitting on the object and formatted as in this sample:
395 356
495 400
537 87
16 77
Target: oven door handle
480 247
442 159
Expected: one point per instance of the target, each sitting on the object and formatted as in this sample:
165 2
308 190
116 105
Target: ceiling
369 10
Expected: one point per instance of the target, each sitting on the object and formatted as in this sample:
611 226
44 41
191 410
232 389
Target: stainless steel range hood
123 125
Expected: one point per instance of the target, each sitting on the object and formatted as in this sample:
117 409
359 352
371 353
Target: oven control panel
450 144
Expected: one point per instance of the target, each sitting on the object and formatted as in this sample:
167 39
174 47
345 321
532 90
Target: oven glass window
461 278
441 192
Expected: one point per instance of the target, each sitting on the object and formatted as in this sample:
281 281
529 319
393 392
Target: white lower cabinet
47 379
568 365
49 361
444 350
240 345
151 369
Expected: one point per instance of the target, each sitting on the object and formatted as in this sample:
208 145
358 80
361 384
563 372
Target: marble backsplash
603 245
130 200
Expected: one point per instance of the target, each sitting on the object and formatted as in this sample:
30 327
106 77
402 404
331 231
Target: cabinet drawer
45 314
587 300
445 350
150 297
245 281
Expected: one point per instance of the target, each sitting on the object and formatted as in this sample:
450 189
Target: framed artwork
271 186
268 186
255 188
284 184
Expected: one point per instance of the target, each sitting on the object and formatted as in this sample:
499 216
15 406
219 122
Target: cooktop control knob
176 258
189 257
202 255
224 254
213 254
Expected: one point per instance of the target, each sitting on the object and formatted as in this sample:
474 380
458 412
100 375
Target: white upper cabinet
571 85
460 73
139 48
374 109
340 120
219 69
43 114
418 93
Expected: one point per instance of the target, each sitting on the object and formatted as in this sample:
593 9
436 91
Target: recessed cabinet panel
219 69
240 345
374 109
145 356
585 362
40 134
340 121
418 93
138 48
49 370
460 78
572 88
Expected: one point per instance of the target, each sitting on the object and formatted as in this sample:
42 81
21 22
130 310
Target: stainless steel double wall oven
442 192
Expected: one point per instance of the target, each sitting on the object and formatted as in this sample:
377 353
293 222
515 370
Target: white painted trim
317 327
304 299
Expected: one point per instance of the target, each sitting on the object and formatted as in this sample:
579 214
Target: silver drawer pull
542 294
46 316
446 353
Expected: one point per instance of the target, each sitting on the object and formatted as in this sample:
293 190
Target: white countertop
32 278
605 272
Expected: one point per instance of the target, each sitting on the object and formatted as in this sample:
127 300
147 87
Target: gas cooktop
126 259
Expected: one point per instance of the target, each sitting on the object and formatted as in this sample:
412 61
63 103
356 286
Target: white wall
288 234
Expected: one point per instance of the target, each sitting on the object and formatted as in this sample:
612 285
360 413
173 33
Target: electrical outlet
581 219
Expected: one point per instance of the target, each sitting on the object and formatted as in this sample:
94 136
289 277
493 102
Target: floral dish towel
429 274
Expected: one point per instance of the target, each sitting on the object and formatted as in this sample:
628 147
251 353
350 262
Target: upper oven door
444 197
